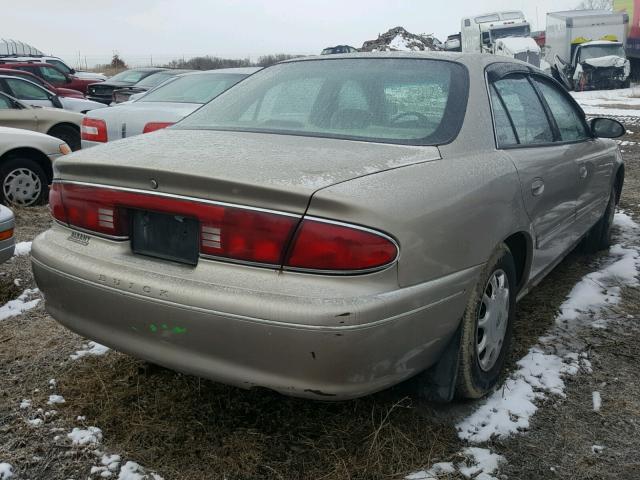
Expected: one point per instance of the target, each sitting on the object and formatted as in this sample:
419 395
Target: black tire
475 380
28 168
599 237
68 134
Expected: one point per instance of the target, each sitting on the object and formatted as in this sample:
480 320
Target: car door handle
537 187
583 172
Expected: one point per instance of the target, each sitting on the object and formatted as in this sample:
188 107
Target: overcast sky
235 28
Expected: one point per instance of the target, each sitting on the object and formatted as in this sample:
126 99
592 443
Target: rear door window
52 75
525 110
569 120
505 135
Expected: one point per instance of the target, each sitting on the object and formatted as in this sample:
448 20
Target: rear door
547 171
595 158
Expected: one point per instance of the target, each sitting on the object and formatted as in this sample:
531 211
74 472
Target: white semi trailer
586 48
500 33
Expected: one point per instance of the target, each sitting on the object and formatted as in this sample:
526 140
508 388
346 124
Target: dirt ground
184 427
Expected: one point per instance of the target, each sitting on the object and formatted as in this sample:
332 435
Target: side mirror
72 71
607 128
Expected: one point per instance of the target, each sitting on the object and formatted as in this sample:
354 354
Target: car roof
468 59
24 64
146 69
247 70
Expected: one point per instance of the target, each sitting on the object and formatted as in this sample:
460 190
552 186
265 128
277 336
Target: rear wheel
67 134
487 326
23 183
599 237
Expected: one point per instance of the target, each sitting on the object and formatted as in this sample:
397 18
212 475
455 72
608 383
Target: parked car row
328 226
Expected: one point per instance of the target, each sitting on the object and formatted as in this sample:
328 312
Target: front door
547 172
595 158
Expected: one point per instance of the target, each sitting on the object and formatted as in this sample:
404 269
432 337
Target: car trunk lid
279 172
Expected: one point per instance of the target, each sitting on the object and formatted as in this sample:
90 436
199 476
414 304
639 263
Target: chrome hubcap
21 187
493 317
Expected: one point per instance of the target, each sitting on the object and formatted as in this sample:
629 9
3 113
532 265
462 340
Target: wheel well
618 183
57 125
519 244
33 154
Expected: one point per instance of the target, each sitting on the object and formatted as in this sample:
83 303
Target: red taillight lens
225 231
55 203
153 126
339 248
93 130
89 208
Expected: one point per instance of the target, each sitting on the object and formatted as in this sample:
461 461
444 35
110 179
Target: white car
163 106
26 165
37 96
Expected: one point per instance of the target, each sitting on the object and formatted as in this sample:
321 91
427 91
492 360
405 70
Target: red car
49 73
61 92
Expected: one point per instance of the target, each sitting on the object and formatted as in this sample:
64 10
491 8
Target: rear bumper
307 341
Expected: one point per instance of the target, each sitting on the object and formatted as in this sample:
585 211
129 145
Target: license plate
170 237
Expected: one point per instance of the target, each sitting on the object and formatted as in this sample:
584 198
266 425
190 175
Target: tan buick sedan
333 226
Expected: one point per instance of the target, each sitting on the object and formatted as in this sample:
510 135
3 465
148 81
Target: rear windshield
393 100
155 79
197 88
132 76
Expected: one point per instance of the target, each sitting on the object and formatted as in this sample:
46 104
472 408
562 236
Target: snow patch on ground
110 465
6 471
91 348
597 401
54 399
21 304
480 464
85 436
22 249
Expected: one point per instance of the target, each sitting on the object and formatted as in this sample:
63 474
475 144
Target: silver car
7 240
163 106
333 225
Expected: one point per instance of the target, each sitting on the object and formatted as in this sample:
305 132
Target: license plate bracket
170 237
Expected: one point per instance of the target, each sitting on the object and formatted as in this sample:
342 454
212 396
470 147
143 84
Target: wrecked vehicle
585 49
501 33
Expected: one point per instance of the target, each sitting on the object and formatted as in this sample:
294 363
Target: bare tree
595 5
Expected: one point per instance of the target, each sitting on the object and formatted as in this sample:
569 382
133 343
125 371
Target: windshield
197 88
411 101
519 31
155 79
597 51
61 65
130 76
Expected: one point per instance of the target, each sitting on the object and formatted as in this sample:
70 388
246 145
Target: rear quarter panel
447 215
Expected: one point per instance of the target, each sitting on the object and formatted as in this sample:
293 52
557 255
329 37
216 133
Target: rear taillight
334 247
226 231
6 234
231 232
153 126
93 130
